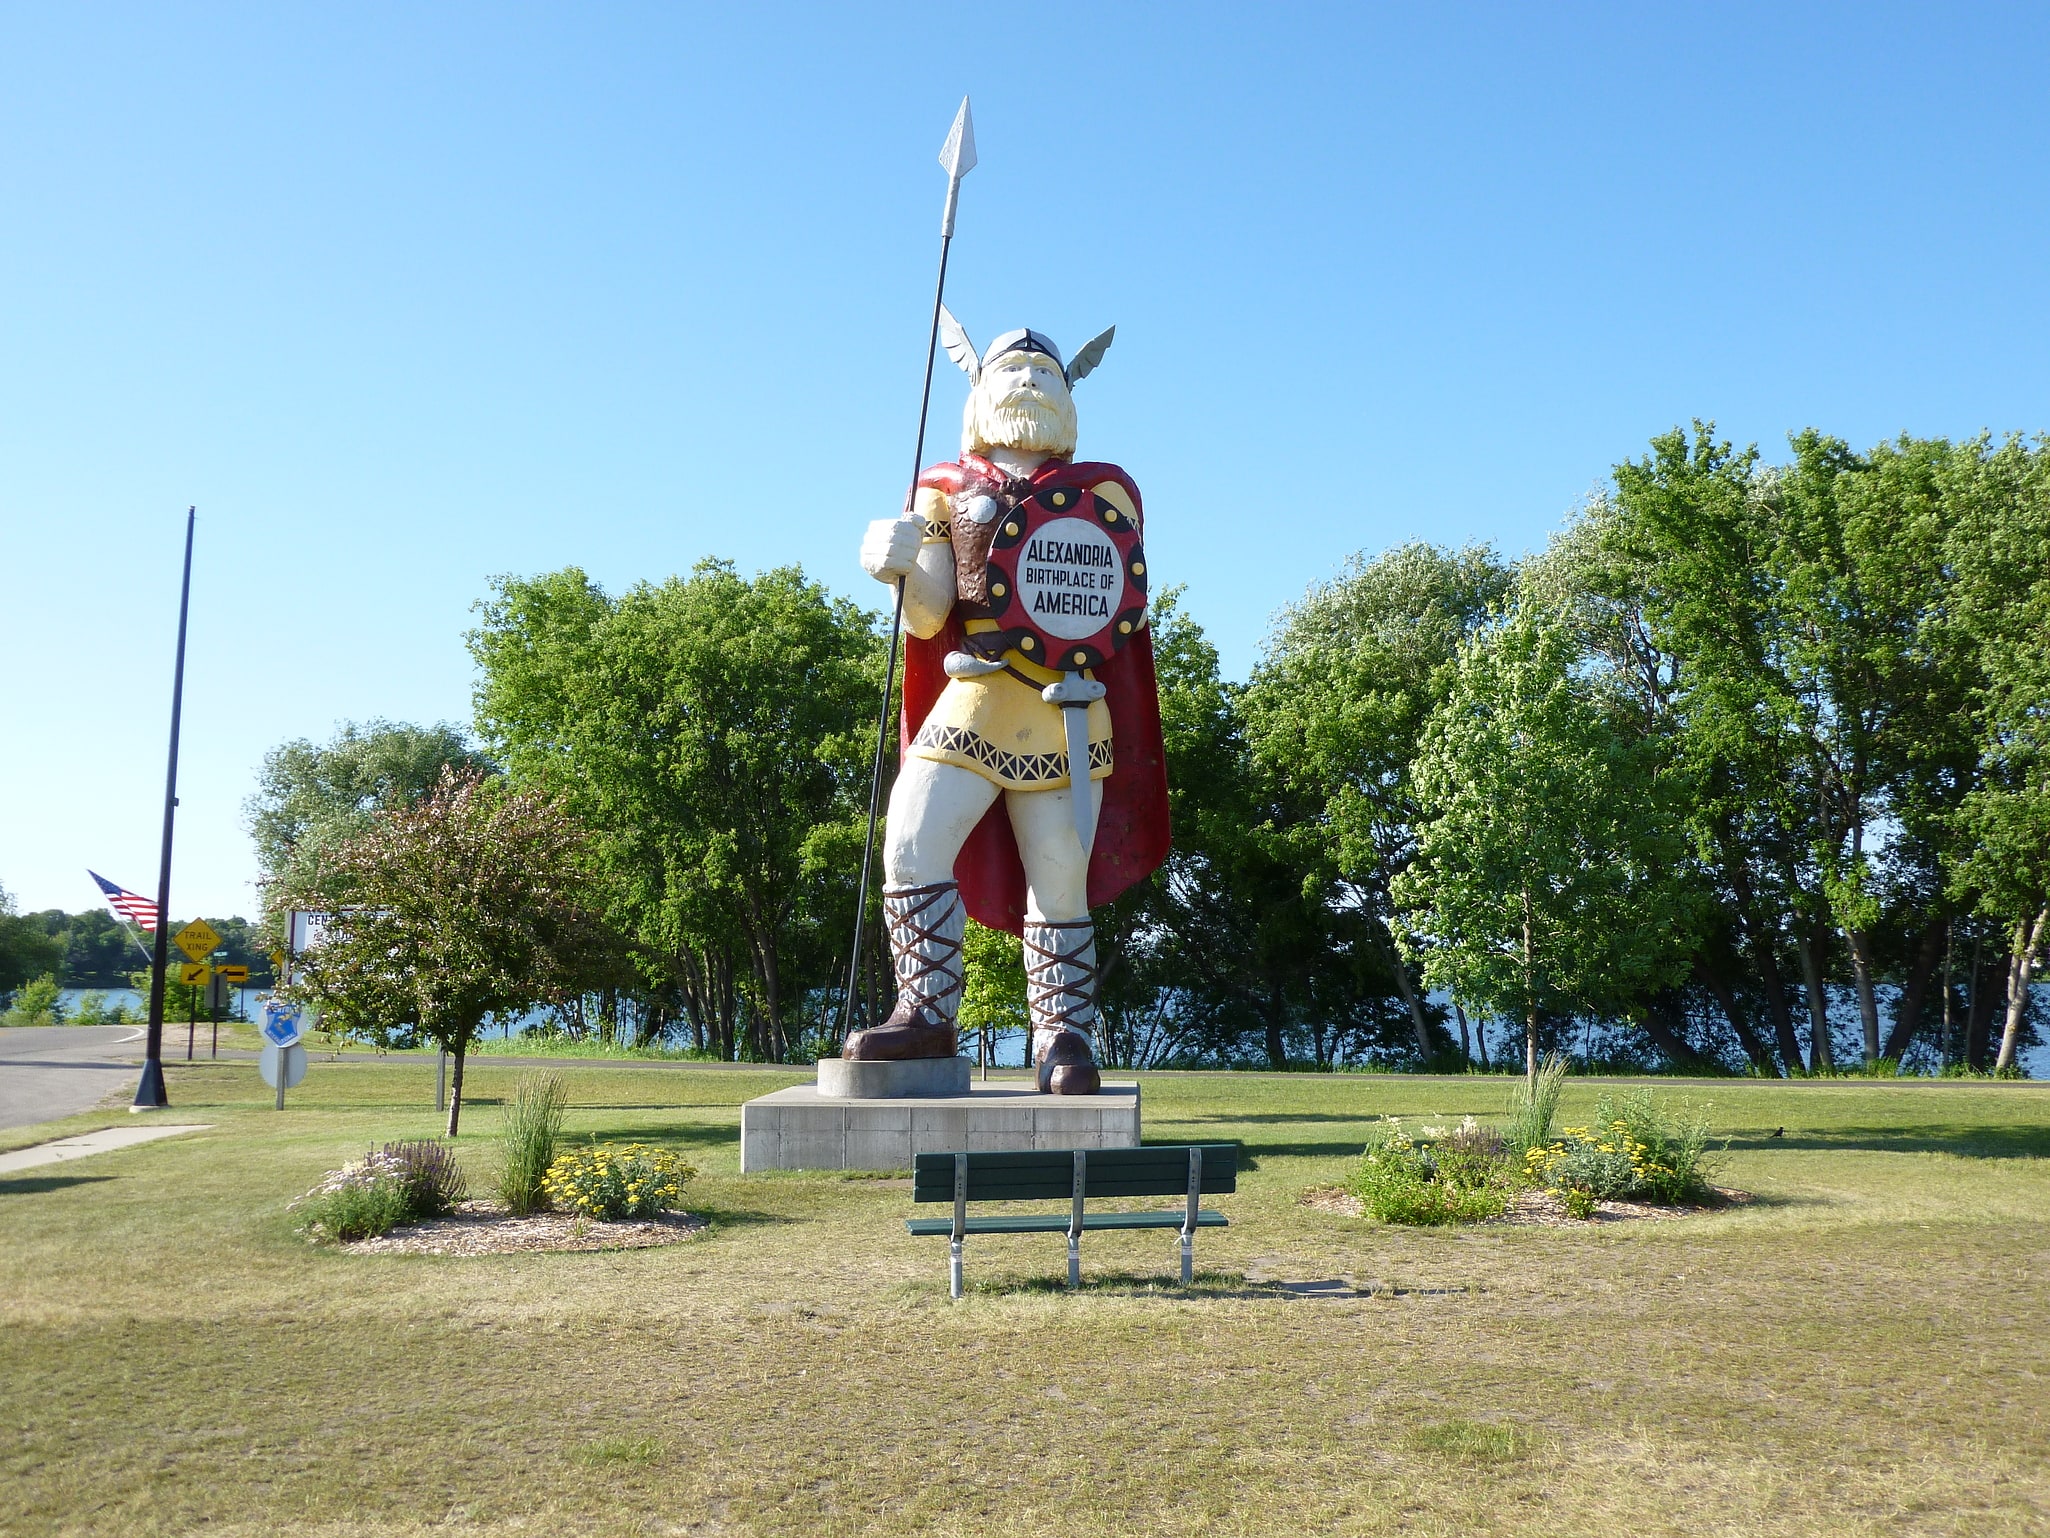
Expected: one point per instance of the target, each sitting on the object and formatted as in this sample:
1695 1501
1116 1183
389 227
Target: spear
957 158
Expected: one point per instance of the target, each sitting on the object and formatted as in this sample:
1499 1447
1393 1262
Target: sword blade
1076 719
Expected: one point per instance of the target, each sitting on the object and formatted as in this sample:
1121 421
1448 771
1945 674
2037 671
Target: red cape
1132 835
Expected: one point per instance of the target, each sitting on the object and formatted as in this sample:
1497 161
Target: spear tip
957 155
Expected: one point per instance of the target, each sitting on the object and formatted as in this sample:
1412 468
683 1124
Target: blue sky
403 297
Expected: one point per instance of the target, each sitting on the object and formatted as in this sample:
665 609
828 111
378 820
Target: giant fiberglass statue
1028 673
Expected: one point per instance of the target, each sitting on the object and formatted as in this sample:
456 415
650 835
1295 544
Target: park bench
1074 1176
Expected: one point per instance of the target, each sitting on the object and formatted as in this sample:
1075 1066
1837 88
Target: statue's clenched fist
890 548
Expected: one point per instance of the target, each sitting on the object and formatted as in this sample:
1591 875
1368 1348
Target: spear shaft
958 156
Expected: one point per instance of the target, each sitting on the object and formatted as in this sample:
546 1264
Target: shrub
398 1183
38 1002
1636 1147
430 1177
91 1009
1601 1167
1579 1203
608 1182
1532 1104
1399 1180
533 1125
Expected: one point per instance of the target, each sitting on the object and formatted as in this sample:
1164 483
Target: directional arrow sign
235 974
197 939
194 974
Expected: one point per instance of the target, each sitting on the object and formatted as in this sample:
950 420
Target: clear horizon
403 300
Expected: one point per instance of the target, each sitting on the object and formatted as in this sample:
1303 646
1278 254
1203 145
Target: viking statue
1031 784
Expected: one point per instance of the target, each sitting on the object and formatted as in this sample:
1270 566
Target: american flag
139 911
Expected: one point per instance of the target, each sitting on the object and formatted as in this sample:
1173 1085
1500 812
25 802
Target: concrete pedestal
801 1129
921 1078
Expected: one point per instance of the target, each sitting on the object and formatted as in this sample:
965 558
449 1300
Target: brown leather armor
972 540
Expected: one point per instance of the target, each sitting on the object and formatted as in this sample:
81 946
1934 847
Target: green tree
27 949
710 731
312 797
1226 951
1335 712
1809 668
993 984
472 902
1547 871
1999 550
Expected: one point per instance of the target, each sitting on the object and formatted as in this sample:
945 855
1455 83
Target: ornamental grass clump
533 1126
1634 1148
1446 1176
398 1183
609 1182
1532 1104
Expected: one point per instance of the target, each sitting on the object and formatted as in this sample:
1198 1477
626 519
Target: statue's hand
890 549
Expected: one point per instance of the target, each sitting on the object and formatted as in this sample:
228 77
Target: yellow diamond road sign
197 939
194 974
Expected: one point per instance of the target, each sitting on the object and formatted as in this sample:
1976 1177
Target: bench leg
1074 1260
953 1268
1188 1257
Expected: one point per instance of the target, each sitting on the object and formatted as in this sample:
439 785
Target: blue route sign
281 1022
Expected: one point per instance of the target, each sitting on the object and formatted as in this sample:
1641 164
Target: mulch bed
483 1228
1540 1209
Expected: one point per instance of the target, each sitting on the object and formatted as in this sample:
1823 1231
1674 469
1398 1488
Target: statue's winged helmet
1025 339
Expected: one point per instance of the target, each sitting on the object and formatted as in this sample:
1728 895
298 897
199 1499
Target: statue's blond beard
1032 425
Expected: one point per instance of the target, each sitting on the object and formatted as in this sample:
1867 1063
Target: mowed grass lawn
1865 1349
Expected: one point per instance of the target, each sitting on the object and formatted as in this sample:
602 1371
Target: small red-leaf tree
471 903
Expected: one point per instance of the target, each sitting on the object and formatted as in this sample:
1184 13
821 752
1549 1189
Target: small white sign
1069 576
290 1061
283 1022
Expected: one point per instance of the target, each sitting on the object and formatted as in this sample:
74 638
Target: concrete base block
802 1129
921 1078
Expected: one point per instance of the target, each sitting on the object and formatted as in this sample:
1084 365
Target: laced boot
925 924
1060 986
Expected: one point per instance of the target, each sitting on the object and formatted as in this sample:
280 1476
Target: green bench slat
1049 1175
1057 1222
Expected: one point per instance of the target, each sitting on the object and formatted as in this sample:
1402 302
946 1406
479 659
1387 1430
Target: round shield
1067 578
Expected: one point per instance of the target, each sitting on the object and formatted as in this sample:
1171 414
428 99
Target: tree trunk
2028 938
1410 998
1821 1055
1979 1009
1530 1014
1907 1009
1662 1023
1754 1048
1860 944
1277 1049
1775 990
1465 1046
1480 1037
455 1087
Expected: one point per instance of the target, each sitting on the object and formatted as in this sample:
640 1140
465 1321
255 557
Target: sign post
283 1062
224 979
192 976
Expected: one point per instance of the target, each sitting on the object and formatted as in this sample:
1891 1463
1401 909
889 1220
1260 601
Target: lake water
1010 1051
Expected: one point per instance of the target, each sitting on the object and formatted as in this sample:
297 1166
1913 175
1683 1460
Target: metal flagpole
957 156
149 1094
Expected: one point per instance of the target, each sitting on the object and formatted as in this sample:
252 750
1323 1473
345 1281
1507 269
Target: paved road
48 1071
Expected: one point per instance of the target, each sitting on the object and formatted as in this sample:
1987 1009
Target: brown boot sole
900 1043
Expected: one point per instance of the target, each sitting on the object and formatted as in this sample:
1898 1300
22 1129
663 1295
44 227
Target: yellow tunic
999 727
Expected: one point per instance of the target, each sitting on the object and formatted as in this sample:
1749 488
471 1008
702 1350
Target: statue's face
1021 377
1021 401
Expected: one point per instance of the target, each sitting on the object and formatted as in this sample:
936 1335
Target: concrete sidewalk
88 1143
